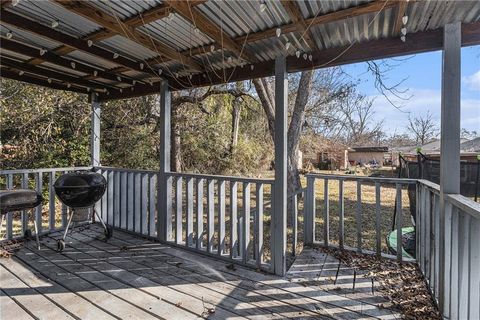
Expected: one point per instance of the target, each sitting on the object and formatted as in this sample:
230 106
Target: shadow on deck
131 277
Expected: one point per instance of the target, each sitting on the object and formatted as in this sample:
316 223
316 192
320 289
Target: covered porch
224 246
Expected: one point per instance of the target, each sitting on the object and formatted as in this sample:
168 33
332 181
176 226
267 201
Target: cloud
473 81
421 102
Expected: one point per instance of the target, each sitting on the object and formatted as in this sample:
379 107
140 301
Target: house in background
366 155
469 149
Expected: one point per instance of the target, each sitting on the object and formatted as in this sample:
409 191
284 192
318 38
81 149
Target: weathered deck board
178 272
9 309
132 277
72 302
29 298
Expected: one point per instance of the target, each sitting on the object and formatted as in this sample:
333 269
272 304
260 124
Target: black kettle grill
19 200
80 190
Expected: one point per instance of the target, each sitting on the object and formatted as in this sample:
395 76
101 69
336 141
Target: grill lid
80 189
19 199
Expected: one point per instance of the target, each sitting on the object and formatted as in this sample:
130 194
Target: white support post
95 131
449 139
164 197
280 188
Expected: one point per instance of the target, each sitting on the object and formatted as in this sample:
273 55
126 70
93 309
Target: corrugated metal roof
28 38
92 60
176 32
236 18
127 48
45 12
124 9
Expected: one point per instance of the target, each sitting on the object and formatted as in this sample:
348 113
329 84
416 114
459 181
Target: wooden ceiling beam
401 9
111 23
20 22
50 57
49 73
153 14
418 42
297 18
370 7
38 81
205 25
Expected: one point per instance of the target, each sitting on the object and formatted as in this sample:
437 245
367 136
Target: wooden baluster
110 197
326 215
39 208
454 271
258 232
51 201
130 200
378 231
152 188
189 235
116 198
341 214
138 202
9 221
294 224
199 225
399 222
221 217
26 212
246 221
309 212
464 251
474 310
233 220
144 204
98 206
123 200
179 207
358 216
210 214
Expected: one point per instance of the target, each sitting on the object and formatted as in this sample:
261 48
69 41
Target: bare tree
423 128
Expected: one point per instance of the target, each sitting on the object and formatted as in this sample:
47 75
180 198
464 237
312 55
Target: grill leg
98 217
36 233
68 225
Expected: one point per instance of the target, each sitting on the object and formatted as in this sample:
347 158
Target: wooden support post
449 139
95 131
164 197
280 188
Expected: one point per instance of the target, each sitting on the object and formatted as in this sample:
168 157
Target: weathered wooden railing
204 212
41 180
312 215
461 278
230 218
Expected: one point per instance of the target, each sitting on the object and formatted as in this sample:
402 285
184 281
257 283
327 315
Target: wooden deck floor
133 278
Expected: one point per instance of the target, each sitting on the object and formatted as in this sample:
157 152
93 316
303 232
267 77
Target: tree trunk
267 98
237 108
175 140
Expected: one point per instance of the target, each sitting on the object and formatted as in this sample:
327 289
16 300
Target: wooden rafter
60 61
418 42
49 73
114 25
20 22
205 25
38 81
370 7
297 18
148 16
401 9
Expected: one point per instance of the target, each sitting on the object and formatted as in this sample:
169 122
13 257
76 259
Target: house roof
466 146
369 149
123 48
